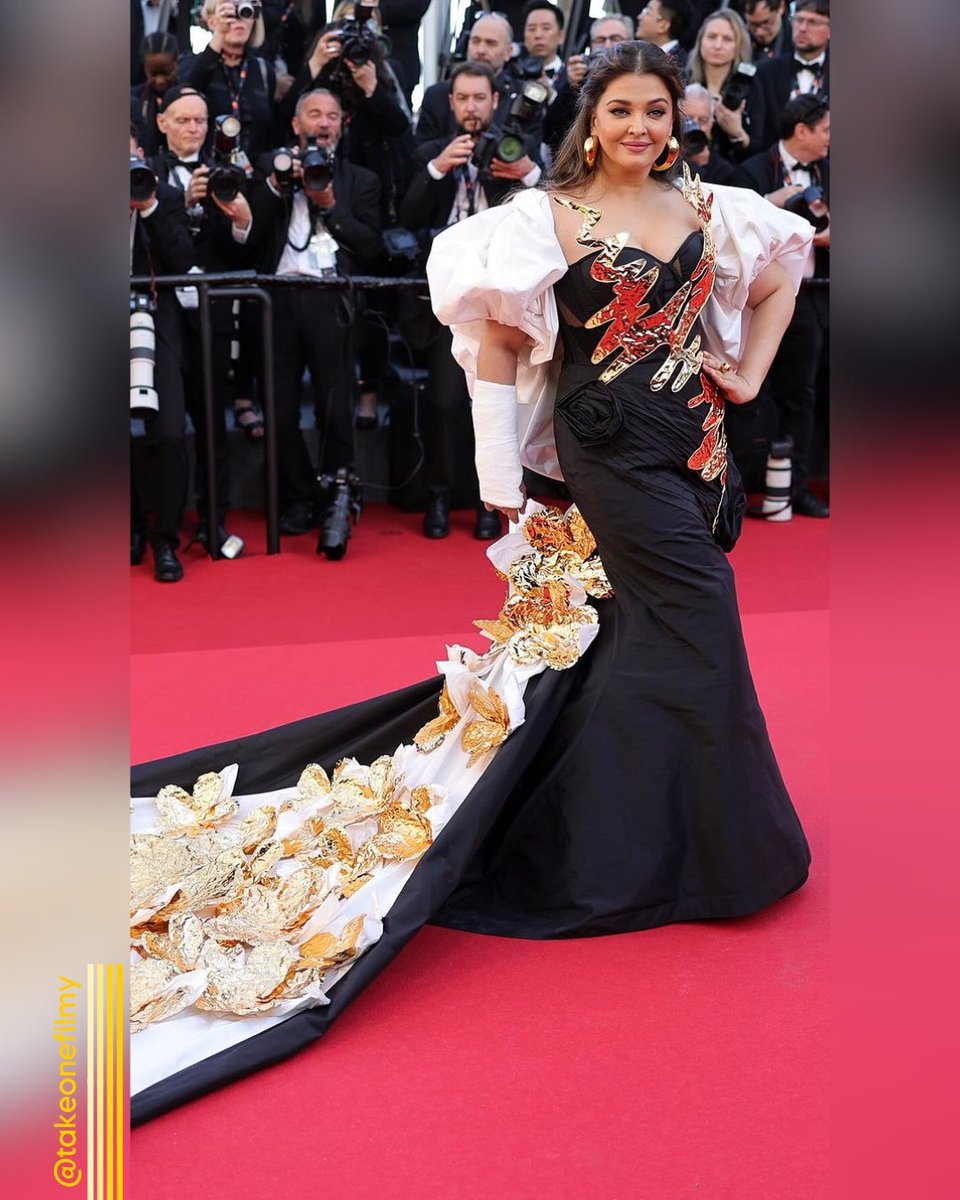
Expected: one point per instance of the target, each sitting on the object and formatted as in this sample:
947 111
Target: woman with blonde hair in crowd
722 45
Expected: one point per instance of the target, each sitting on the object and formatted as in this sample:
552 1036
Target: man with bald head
220 230
490 42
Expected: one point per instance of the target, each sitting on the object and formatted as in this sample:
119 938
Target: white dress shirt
807 81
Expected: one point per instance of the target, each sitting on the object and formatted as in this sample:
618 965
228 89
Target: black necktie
816 69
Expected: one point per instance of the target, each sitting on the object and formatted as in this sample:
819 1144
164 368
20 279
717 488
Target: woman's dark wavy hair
570 171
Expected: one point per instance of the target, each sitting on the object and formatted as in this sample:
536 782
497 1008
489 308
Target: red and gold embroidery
633 332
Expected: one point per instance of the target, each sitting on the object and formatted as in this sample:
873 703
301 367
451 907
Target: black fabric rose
592 413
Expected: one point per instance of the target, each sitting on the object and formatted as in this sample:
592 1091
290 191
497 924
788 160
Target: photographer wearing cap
160 244
795 174
699 151
314 214
449 188
220 223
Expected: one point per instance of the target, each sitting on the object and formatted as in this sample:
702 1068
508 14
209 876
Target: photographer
450 187
721 61
160 244
378 122
604 32
698 148
314 214
234 79
795 174
490 43
219 228
769 31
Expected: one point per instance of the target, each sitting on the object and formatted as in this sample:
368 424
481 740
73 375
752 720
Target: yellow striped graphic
99 1069
106 1083
90 1045
121 1085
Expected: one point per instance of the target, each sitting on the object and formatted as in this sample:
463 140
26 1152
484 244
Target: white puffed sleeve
501 265
749 233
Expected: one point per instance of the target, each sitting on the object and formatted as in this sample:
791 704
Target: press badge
322 254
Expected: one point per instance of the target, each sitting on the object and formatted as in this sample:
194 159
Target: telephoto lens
694 139
144 401
347 503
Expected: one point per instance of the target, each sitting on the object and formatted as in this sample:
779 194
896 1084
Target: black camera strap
314 214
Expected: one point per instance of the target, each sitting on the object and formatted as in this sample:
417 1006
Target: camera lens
283 161
510 148
229 126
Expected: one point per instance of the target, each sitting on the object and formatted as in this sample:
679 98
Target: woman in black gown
640 788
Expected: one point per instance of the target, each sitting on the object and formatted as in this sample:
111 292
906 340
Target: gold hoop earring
673 153
590 151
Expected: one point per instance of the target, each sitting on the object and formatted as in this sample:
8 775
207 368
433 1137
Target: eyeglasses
763 23
813 22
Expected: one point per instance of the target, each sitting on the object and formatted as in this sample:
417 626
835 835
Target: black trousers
312 331
793 377
164 491
193 391
448 428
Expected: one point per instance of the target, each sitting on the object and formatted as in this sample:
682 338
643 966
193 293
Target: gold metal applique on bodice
634 331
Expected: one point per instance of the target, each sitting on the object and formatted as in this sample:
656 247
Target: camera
317 160
507 143
810 205
347 503
527 66
228 172
738 86
283 169
144 401
695 141
143 182
246 12
357 43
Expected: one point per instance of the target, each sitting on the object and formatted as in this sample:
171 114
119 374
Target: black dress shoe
436 520
487 527
806 504
167 568
300 517
138 546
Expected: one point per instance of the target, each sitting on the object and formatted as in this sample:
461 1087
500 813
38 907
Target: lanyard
235 92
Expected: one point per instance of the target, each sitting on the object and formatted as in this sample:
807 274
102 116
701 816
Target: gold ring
724 368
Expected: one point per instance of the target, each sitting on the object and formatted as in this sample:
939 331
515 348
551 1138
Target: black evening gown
642 788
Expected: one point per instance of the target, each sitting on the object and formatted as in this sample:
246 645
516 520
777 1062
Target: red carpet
688 1061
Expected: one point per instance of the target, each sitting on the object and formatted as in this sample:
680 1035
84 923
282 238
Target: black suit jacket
162 246
354 221
427 204
436 126
214 246
765 173
775 79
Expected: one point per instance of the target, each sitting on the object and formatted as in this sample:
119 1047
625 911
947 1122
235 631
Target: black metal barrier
249 285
